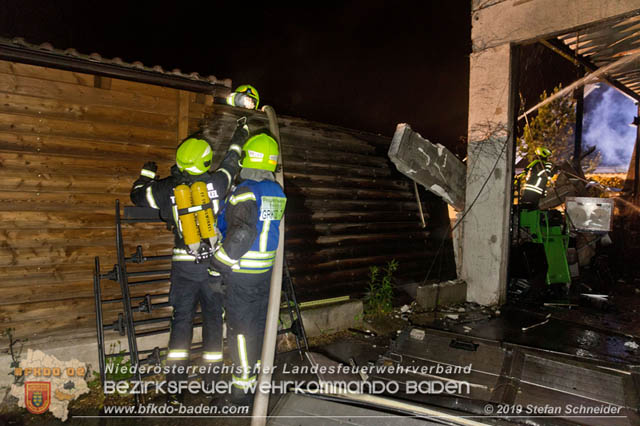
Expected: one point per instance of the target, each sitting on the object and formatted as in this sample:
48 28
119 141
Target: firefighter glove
149 170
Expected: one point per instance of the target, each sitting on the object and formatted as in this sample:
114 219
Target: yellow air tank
187 220
206 218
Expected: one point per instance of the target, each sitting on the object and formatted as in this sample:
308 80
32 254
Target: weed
379 297
15 354
117 367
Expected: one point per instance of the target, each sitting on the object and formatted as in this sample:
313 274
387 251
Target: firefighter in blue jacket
190 280
249 223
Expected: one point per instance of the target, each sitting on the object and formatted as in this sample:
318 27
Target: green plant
553 127
15 354
117 367
379 297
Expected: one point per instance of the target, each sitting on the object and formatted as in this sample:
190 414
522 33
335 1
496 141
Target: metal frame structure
126 323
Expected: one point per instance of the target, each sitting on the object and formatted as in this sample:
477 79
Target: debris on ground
631 344
546 320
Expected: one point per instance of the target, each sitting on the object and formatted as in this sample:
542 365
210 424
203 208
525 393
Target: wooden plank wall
348 208
70 144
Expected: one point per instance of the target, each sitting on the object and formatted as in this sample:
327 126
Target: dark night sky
362 64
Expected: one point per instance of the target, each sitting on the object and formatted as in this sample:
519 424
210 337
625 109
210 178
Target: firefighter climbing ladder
126 324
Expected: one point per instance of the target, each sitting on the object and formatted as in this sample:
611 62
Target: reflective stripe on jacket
270 200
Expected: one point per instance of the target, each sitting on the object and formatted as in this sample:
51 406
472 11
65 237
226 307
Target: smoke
607 115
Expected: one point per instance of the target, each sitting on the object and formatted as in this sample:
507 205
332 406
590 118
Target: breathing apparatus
194 211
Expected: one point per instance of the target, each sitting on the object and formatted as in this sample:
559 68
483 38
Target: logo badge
37 396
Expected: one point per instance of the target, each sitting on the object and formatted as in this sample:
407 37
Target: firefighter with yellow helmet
190 199
245 96
539 172
249 223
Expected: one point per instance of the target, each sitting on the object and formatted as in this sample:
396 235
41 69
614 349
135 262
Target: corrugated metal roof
71 54
605 43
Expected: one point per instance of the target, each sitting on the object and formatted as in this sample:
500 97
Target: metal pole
126 302
97 291
636 169
577 149
261 399
415 190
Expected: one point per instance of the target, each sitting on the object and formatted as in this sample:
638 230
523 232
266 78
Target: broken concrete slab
431 165
328 319
446 293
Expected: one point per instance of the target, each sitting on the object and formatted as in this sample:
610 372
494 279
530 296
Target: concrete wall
496 27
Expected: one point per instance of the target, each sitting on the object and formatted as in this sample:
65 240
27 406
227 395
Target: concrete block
329 318
317 321
446 293
431 165
84 349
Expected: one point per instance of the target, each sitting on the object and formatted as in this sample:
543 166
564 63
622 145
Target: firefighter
245 96
539 170
190 281
249 223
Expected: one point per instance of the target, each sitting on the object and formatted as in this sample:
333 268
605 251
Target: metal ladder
125 324
290 303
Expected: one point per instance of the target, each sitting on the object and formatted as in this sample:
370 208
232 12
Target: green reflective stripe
251 271
243 383
264 235
147 173
212 356
231 98
237 148
229 179
246 263
182 255
242 352
259 255
534 189
235 199
138 186
150 199
213 273
183 258
178 354
222 256
174 210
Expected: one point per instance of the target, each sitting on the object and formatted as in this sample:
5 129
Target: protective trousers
191 284
246 302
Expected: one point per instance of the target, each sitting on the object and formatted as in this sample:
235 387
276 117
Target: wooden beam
183 115
564 51
100 82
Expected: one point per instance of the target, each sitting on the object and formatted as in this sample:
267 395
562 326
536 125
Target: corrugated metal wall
70 144
348 207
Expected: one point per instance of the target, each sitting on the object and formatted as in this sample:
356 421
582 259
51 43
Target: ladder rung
156 281
148 273
143 259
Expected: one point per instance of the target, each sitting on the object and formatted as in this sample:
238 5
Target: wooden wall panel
348 208
70 145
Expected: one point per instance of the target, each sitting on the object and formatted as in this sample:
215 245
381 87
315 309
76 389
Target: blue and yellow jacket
250 225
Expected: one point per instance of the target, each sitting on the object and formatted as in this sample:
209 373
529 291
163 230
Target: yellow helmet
245 96
260 152
194 155
543 152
